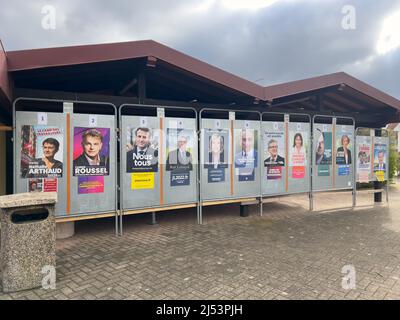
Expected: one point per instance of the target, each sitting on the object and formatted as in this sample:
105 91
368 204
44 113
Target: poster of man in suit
142 150
274 152
379 157
246 154
180 144
91 158
91 151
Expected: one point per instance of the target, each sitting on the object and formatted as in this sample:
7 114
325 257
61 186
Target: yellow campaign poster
142 180
380 175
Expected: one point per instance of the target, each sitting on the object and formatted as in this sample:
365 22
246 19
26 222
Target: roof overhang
339 92
5 94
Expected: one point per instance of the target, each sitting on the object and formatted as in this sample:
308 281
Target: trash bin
28 239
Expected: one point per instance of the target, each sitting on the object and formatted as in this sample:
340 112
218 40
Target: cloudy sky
267 41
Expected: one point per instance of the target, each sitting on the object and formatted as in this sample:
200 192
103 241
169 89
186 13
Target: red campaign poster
42 185
50 185
298 172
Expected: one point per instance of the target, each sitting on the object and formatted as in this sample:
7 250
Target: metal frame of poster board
68 216
286 122
371 173
333 177
232 198
153 209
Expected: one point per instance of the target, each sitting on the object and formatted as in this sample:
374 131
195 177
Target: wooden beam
5 128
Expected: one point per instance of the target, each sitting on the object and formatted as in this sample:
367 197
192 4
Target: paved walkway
289 253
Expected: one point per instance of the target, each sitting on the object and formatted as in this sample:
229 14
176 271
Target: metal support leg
387 191
200 214
153 219
311 201
121 214
116 224
261 207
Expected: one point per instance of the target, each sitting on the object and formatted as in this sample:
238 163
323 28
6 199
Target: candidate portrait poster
380 161
41 151
274 157
363 159
179 149
298 146
142 149
91 151
246 153
216 154
344 144
323 152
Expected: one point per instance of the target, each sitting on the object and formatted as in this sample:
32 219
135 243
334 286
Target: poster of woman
41 151
298 153
216 151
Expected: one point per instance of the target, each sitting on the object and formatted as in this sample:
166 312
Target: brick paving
288 253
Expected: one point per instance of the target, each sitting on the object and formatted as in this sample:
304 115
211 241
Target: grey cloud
287 41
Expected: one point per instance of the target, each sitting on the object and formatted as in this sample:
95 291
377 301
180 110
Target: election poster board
274 157
363 154
246 154
41 155
215 159
91 154
180 156
322 154
41 151
298 153
380 161
216 154
142 155
344 156
299 157
179 151
247 157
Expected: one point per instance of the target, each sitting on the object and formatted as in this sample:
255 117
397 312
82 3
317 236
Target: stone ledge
27 199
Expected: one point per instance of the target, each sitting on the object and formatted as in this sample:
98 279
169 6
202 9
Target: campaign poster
142 180
142 149
380 161
364 157
246 154
380 152
298 146
180 178
216 154
323 148
42 185
180 146
41 151
90 184
343 151
274 146
91 151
